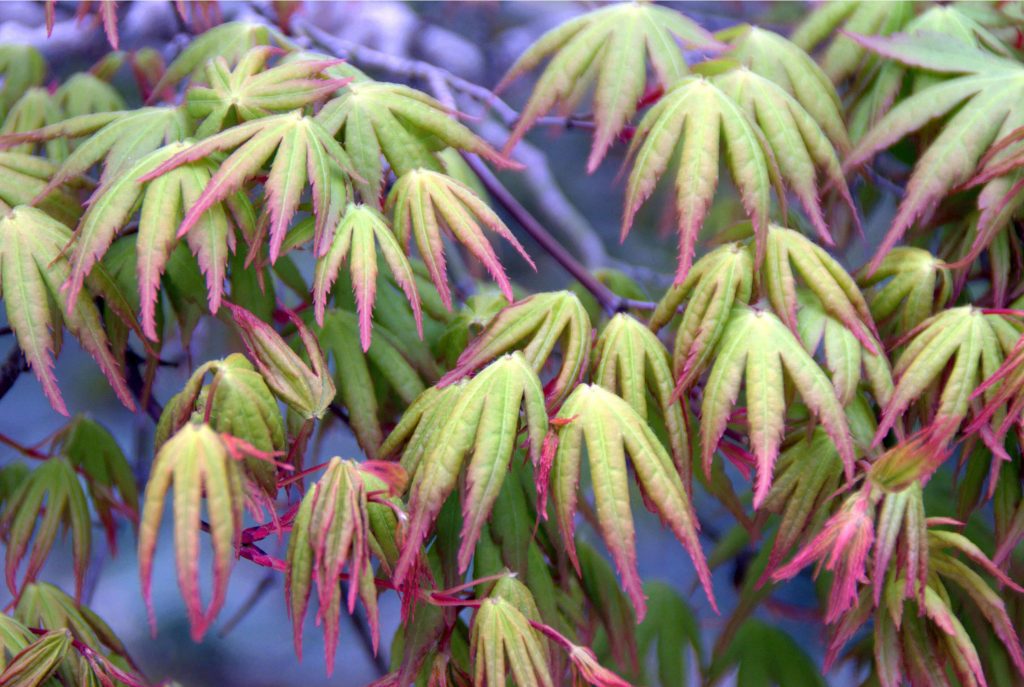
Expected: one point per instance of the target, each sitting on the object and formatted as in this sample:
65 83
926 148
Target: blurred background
477 41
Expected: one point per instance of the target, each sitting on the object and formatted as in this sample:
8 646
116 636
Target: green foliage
843 417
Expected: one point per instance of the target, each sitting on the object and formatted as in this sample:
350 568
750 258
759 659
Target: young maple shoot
275 236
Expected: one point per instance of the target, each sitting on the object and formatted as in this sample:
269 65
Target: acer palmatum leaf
376 120
535 325
768 54
307 387
610 429
302 152
975 105
909 286
502 639
28 180
357 238
718 280
229 41
51 498
423 203
481 423
610 48
331 531
789 253
847 359
23 67
252 89
32 269
196 463
631 362
757 347
975 342
834 21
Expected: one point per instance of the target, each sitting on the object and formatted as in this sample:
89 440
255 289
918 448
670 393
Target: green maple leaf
85 94
22 67
610 429
609 48
881 88
535 325
357 238
408 128
424 203
843 56
302 152
118 140
979 108
196 462
229 41
758 347
503 641
718 280
909 286
769 139
52 489
35 664
781 61
332 531
32 270
252 90
847 358
482 421
975 342
36 108
631 362
28 183
161 204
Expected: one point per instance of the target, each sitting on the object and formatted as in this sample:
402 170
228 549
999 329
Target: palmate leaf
230 41
252 90
979 108
823 276
14 637
360 375
608 428
195 462
847 359
236 401
610 48
42 605
32 270
757 346
503 642
331 531
806 477
769 138
844 57
974 342
718 280
306 387
36 108
22 67
54 491
161 204
770 55
118 140
766 656
27 179
408 128
36 663
91 449
357 237
909 286
425 203
631 362
877 91
302 152
84 94
481 424
535 325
